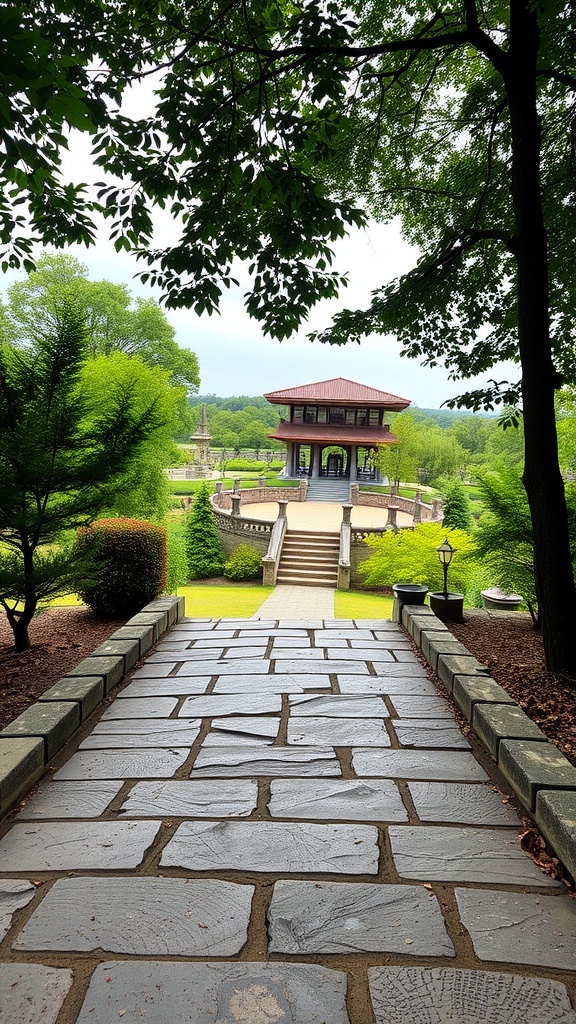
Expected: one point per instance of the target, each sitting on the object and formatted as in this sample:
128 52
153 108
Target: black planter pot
410 593
448 607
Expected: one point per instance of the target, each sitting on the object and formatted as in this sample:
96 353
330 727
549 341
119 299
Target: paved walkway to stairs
278 821
322 515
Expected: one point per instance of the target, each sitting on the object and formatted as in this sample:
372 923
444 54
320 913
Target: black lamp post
445 553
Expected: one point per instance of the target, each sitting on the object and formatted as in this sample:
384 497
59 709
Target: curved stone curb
29 742
541 777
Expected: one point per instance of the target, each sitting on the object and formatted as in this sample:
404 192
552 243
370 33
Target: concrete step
305 581
315 549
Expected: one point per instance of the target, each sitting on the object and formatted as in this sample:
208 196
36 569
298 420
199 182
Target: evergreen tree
62 459
204 549
457 513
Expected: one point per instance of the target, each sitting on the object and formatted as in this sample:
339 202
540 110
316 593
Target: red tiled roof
322 433
338 391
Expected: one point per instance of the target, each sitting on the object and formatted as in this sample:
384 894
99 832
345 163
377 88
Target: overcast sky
234 356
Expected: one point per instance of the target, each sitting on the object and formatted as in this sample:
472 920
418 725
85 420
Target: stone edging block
541 777
32 739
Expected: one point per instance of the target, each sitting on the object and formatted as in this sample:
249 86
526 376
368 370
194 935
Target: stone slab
437 854
556 819
68 845
243 729
111 668
184 654
141 916
123 764
54 721
410 685
426 732
434 765
15 893
337 706
149 671
355 654
87 691
279 683
69 800
273 846
190 686
471 690
21 765
144 707
338 732
205 798
496 722
461 803
212 638
127 649
224 667
325 636
520 928
531 766
407 706
229 762
406 669
300 624
336 800
142 732
300 654
215 993
384 625
433 994
224 704
393 642
143 634
352 917
451 665
321 666
32 992
291 642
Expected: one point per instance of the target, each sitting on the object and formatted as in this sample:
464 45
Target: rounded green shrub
244 564
127 559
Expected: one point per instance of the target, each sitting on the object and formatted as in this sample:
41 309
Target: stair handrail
344 553
271 560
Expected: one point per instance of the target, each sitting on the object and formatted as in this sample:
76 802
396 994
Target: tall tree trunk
542 479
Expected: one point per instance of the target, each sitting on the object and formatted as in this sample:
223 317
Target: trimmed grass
206 602
354 604
179 487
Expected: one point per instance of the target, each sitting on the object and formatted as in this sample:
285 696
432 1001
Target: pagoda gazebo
332 428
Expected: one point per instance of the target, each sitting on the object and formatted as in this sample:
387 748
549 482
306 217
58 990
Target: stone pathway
298 603
278 822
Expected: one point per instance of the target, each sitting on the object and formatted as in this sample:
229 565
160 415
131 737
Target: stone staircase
309 559
322 489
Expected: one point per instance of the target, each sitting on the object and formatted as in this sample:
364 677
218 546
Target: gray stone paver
339 732
436 853
232 762
67 845
290 779
142 732
434 994
452 766
350 917
460 803
32 993
336 799
273 846
15 893
216 993
204 798
340 706
124 764
520 928
70 800
144 916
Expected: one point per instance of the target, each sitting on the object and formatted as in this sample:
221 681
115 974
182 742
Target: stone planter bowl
448 607
410 593
500 600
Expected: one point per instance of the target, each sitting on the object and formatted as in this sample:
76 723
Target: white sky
234 356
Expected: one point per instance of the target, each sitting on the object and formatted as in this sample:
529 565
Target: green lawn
223 602
354 604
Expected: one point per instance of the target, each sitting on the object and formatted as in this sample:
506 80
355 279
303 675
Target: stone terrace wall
254 495
235 531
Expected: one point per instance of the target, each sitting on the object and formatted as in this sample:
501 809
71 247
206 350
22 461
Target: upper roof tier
338 391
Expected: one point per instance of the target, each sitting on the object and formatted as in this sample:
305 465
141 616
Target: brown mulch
512 649
508 645
60 638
